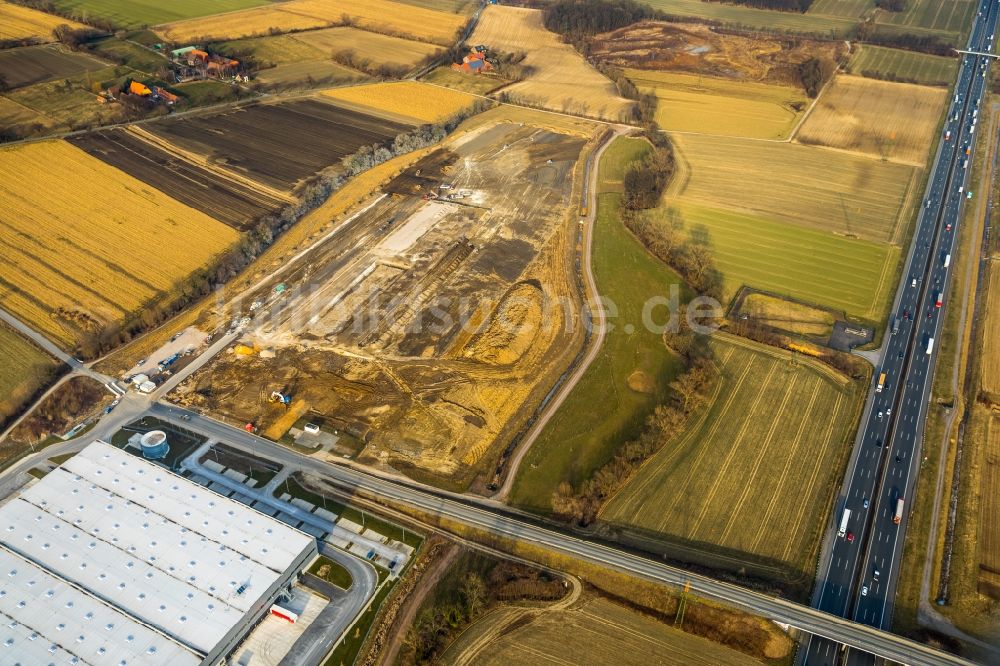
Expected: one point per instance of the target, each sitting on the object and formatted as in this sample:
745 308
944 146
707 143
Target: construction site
429 324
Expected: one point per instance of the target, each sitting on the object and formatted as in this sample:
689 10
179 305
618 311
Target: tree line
472 586
689 391
800 6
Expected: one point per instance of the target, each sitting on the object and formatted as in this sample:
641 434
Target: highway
887 452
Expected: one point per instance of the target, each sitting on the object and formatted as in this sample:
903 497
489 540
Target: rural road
597 320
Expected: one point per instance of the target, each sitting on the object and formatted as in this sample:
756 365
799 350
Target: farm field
287 61
827 25
878 62
309 73
560 79
454 6
278 145
946 16
397 98
235 203
760 460
18 22
630 375
34 64
24 368
847 274
68 244
591 631
75 106
379 15
893 121
989 509
814 187
478 84
13 115
788 315
847 8
131 54
369 46
710 105
693 48
139 13
990 357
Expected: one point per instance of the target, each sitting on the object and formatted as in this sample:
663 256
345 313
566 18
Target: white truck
930 345
899 511
843 523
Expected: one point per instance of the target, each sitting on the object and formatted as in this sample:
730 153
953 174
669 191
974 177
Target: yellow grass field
83 244
560 80
382 15
989 511
23 369
18 22
829 190
760 460
371 46
893 121
788 315
990 357
713 105
421 102
595 631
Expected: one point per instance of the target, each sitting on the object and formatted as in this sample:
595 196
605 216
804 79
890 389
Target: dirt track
597 323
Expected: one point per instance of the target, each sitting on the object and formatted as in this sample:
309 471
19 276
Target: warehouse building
111 559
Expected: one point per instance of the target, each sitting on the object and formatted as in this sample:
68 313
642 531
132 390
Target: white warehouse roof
111 559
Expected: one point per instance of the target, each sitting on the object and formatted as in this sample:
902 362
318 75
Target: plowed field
278 145
227 200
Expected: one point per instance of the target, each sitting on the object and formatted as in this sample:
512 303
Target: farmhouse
474 62
193 62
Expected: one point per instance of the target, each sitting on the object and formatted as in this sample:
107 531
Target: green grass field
132 54
470 83
756 470
710 105
898 65
828 25
809 186
452 6
138 13
947 16
845 8
602 411
842 273
23 369
619 155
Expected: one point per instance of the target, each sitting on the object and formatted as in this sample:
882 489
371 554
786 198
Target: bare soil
699 49
423 327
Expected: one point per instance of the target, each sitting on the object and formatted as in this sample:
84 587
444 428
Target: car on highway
866 504
947 227
875 576
864 591
880 415
850 537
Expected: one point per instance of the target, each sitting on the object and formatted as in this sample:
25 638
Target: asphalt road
798 615
888 449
